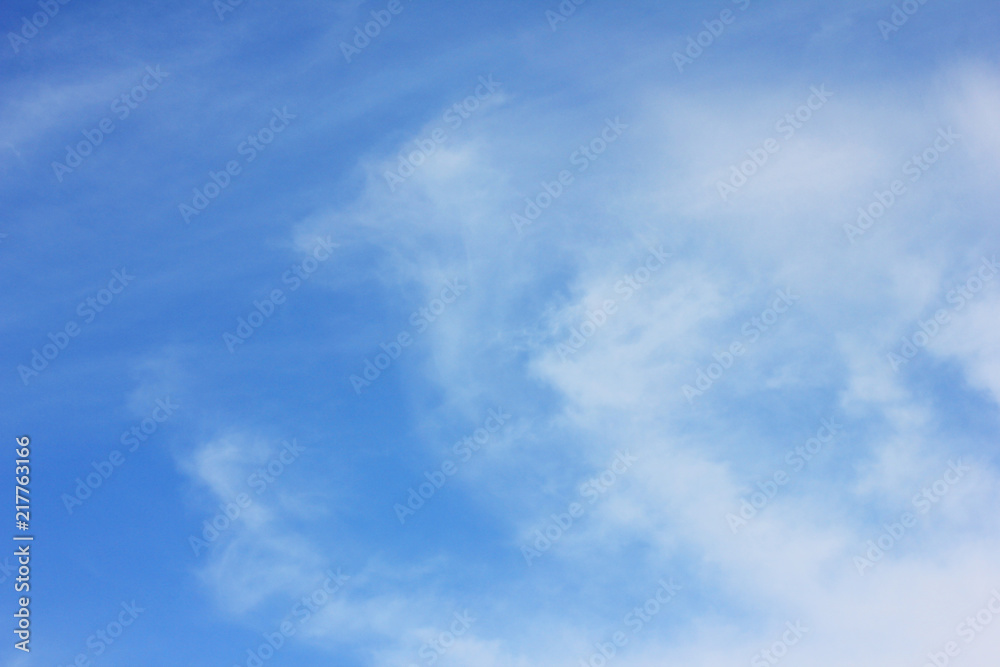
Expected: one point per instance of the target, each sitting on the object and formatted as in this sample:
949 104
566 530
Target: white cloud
623 387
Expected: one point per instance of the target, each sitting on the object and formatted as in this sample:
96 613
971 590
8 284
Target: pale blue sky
356 218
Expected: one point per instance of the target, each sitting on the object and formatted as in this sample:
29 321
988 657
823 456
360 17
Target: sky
507 334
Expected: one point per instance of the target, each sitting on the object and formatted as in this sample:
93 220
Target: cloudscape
397 333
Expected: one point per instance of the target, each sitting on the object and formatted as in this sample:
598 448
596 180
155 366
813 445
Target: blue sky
504 340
